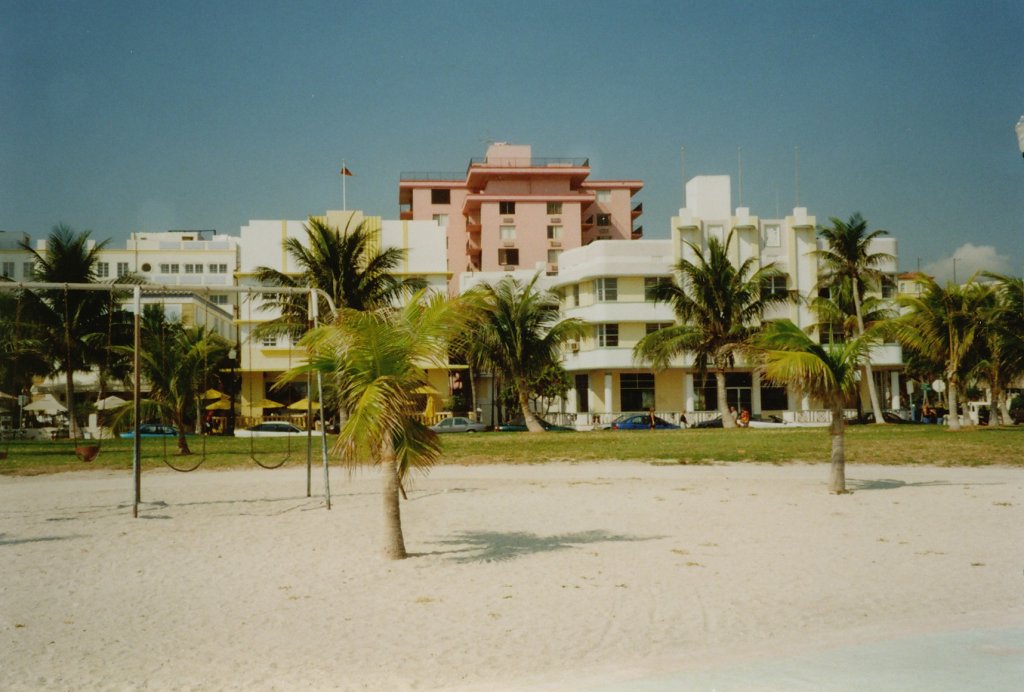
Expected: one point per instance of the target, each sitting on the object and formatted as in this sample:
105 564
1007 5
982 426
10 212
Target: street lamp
232 355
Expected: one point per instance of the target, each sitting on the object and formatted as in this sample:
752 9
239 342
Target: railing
430 175
529 162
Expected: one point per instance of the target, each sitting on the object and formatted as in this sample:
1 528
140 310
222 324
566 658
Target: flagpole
344 197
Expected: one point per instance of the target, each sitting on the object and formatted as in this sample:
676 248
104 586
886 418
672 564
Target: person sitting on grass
744 419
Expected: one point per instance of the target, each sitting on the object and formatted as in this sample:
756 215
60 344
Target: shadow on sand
893 484
494 546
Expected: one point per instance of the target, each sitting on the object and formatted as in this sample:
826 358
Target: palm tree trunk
69 393
394 542
183 448
723 400
869 375
952 418
837 479
532 424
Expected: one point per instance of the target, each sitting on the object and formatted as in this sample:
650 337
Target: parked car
641 421
273 429
715 422
152 430
458 424
519 425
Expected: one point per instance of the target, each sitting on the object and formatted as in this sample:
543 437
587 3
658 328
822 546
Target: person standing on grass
651 418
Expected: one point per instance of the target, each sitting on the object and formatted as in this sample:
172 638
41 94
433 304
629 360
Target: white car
273 429
458 424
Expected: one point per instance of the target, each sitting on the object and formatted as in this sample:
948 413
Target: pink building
512 211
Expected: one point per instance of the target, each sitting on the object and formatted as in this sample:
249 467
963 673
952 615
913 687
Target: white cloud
965 261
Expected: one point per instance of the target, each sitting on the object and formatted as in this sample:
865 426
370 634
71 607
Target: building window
102 269
575 295
219 299
554 208
26 270
774 286
441 196
604 219
772 236
604 195
188 269
636 391
122 269
888 286
554 232
269 341
7 270
607 290
738 386
652 327
507 234
506 207
508 256
608 335
553 256
651 284
442 220
218 269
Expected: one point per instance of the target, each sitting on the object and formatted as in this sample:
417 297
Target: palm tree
76 325
514 329
178 362
1002 331
718 308
375 360
826 372
852 269
941 323
344 264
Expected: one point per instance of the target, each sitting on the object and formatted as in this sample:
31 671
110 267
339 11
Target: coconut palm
1002 332
851 269
375 360
75 325
344 264
178 362
718 308
826 372
942 323
514 330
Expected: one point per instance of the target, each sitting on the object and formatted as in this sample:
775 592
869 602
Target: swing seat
87 452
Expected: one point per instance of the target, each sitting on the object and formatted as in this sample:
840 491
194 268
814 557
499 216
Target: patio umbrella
221 405
112 401
213 394
47 405
265 403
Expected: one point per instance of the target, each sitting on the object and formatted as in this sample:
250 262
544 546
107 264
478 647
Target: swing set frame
137 291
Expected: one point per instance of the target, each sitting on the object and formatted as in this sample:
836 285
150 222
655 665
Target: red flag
345 171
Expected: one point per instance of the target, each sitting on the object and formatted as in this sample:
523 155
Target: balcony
473 248
637 233
638 210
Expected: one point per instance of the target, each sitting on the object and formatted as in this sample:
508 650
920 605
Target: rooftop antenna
739 160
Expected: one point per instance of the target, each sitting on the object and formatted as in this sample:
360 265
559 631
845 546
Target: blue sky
126 116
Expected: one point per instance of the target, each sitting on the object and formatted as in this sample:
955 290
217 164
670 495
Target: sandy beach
556 576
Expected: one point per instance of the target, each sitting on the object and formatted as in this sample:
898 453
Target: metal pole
137 404
315 313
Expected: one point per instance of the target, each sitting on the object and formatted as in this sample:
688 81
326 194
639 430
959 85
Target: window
218 269
831 333
554 232
188 269
441 196
607 290
651 284
102 269
604 195
636 391
772 236
165 269
506 207
442 220
888 286
554 208
575 295
507 234
147 267
608 335
774 398
652 327
269 341
122 269
508 256
219 299
26 270
553 256
604 219
7 270
774 286
738 387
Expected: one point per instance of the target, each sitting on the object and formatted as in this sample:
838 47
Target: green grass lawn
890 444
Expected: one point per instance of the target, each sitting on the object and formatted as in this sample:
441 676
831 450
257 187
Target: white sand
561 576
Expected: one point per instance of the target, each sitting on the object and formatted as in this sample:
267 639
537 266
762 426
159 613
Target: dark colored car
641 421
152 430
710 423
519 425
